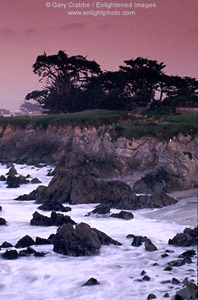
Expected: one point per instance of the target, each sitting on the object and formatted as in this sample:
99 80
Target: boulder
188 238
146 278
54 205
35 180
151 296
33 195
2 221
101 209
149 246
0 208
42 241
189 291
123 215
91 281
138 240
10 254
80 241
2 178
56 219
176 263
13 181
30 251
188 253
12 171
25 241
6 245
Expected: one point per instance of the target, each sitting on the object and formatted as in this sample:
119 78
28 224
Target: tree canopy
74 83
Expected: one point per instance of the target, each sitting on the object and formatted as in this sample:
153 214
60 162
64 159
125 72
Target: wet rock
188 238
25 241
10 254
80 241
91 281
168 268
23 180
149 246
151 296
146 278
177 297
13 181
100 210
165 281
56 219
35 180
12 171
175 281
130 236
2 178
188 253
164 255
2 221
123 215
53 205
42 241
0 208
33 195
6 245
166 295
138 240
27 252
176 263
142 273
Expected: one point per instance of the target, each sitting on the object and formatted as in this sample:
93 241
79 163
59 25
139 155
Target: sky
167 33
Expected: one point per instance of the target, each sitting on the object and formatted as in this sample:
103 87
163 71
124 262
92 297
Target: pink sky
168 33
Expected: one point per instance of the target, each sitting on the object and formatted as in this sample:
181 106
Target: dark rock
2 221
28 176
188 238
33 195
176 263
155 264
12 171
39 254
2 178
130 236
166 295
187 260
35 180
138 240
50 238
91 281
41 241
190 290
151 296
0 208
146 278
100 209
175 281
168 268
6 245
149 246
164 255
53 205
188 253
143 273
22 179
165 281
123 215
80 241
177 297
169 251
10 254
27 252
56 219
25 241
13 181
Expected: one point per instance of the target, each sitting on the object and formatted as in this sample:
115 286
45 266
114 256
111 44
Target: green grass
84 118
135 127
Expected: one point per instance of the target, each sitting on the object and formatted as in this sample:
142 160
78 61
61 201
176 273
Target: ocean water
117 268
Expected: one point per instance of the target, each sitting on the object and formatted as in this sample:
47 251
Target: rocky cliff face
89 155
